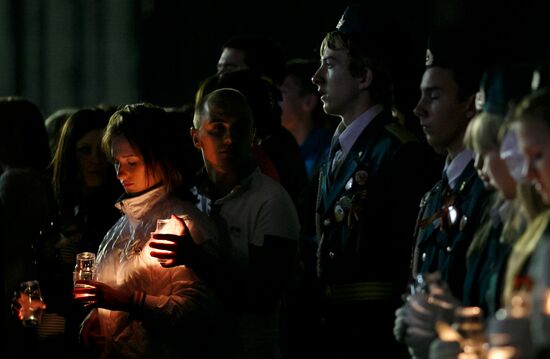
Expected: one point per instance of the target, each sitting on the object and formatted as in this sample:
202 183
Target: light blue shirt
347 135
456 166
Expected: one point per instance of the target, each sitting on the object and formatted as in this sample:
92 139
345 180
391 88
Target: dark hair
302 70
23 136
66 181
54 124
261 55
158 137
365 53
456 49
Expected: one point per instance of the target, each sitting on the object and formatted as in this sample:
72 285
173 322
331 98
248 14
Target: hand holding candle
84 271
101 295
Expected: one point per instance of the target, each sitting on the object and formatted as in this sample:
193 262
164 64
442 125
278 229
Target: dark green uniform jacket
365 220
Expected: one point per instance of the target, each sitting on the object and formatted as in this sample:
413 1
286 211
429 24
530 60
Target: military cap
451 47
458 49
363 19
372 25
502 86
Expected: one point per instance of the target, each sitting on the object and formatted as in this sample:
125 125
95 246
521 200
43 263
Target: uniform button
449 249
423 256
331 255
326 222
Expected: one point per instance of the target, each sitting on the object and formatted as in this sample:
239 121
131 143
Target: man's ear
366 80
195 137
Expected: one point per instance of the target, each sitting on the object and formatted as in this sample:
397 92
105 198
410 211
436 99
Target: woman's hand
92 293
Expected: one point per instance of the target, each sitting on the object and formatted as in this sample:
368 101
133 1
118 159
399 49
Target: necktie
336 156
445 186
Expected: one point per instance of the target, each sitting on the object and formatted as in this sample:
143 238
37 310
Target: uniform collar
454 168
348 135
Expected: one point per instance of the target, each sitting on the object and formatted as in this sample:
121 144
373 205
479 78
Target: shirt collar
347 135
456 166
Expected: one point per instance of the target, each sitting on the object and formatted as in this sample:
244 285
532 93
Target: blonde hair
484 132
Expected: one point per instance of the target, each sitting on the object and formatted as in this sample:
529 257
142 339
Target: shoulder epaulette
401 132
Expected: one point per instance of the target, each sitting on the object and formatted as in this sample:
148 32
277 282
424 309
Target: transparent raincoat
173 316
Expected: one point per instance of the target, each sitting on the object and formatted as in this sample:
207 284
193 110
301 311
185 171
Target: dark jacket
443 247
376 191
365 222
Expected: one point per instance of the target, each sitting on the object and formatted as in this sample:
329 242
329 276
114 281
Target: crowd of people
311 219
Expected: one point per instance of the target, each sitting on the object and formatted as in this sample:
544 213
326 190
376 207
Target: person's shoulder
401 133
266 188
24 179
282 139
261 180
180 204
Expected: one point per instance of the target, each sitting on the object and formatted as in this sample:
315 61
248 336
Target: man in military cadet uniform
450 212
369 190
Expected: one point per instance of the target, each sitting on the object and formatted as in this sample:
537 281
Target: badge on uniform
452 215
339 213
345 202
463 222
341 208
349 184
361 177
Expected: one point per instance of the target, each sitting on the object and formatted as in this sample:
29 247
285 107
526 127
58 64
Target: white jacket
177 305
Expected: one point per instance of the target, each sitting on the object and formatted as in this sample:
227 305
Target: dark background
67 53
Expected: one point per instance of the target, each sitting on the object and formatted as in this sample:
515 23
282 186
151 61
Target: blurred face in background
296 104
534 142
92 164
130 167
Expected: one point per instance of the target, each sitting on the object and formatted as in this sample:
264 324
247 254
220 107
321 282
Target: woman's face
92 164
534 142
497 174
130 168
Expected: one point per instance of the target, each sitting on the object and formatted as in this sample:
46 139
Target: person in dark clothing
369 189
451 211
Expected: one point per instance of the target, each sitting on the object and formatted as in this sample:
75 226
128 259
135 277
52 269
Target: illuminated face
494 172
338 89
130 168
534 143
92 163
225 141
231 60
442 116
